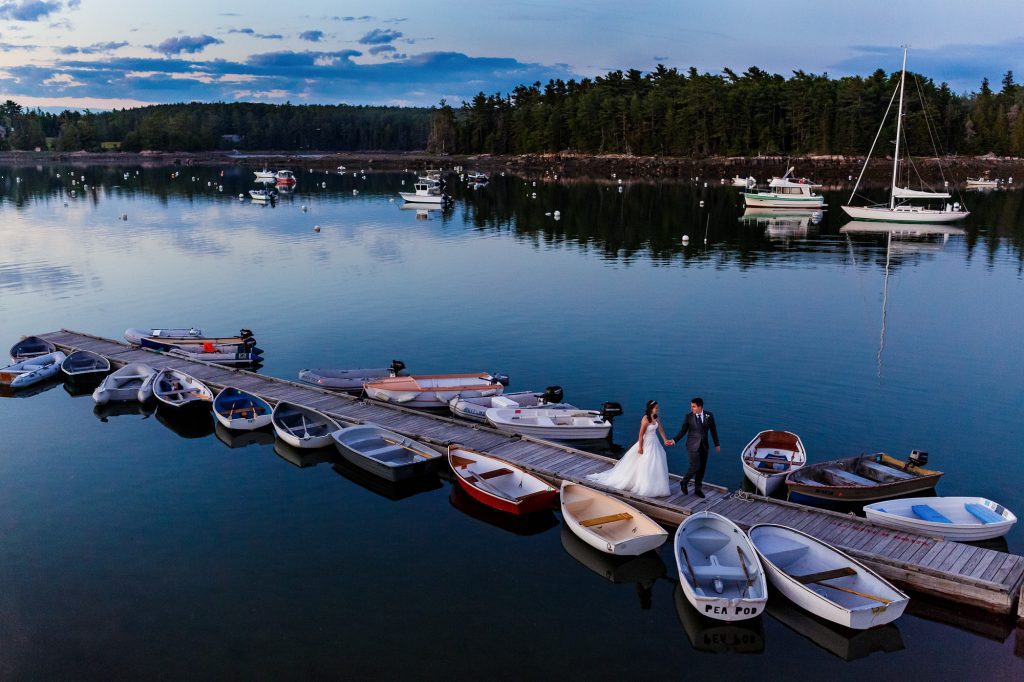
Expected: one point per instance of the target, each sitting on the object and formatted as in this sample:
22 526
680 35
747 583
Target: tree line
664 112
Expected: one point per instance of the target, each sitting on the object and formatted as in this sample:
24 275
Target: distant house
232 138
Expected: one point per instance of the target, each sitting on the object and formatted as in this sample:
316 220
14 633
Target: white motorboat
263 194
963 519
265 175
825 581
303 427
769 457
435 390
899 208
240 410
176 389
983 182
351 379
425 193
285 177
552 423
84 365
475 409
786 193
385 453
608 524
31 347
747 182
477 177
135 335
31 371
239 354
718 568
132 382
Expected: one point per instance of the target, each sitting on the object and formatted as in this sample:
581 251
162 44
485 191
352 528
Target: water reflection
123 409
379 486
241 439
29 391
528 524
716 636
643 571
187 423
302 457
847 644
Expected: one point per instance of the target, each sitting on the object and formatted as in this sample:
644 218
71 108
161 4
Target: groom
696 427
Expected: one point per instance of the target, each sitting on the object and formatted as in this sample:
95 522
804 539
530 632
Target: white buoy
533 195
613 176
849 177
620 181
124 216
316 228
534 183
945 183
364 177
355 192
403 183
558 214
702 203
620 189
323 185
83 178
705 184
391 200
547 213
686 239
556 176
220 188
304 209
241 196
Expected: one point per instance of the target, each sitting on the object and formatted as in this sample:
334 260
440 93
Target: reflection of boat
186 424
825 581
301 457
900 209
769 457
241 439
419 207
780 223
643 570
608 524
31 347
738 181
863 478
847 644
264 174
382 487
105 411
963 519
962 617
34 389
786 193
530 524
715 636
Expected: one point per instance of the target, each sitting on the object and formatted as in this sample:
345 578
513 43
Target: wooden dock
963 573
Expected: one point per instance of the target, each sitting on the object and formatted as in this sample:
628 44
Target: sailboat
899 208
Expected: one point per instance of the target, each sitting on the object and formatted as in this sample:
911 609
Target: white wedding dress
645 474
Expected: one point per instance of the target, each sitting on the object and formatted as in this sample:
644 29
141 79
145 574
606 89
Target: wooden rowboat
177 389
608 524
824 580
240 410
864 478
31 347
499 484
385 453
84 365
303 427
769 457
963 519
434 390
718 568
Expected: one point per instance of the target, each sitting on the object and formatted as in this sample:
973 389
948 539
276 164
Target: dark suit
696 433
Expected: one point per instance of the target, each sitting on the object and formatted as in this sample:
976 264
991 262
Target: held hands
718 448
670 442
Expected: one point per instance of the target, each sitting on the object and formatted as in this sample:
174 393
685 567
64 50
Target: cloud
377 49
362 18
7 47
380 36
312 36
95 48
247 31
190 44
254 34
30 10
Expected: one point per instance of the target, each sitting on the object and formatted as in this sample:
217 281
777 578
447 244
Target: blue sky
101 54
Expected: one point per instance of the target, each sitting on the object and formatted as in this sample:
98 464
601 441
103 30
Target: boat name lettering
724 610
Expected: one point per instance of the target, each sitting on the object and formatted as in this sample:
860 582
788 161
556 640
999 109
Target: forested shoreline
663 113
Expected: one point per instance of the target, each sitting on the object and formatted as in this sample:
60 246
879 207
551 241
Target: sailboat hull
905 214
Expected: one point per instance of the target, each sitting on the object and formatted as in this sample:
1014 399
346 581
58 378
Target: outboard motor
245 333
552 394
396 367
501 379
249 342
611 410
917 458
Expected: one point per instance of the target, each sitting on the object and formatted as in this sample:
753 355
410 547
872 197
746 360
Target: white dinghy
134 381
963 519
385 453
475 409
553 423
303 427
770 457
177 389
351 379
825 581
134 335
31 371
240 410
607 523
719 569
84 365
31 347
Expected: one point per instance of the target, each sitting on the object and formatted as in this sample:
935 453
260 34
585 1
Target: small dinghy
864 478
134 381
435 390
553 423
84 365
165 341
499 484
177 389
825 581
607 523
386 454
963 519
351 379
719 569
303 427
31 347
221 354
134 335
475 409
770 457
31 371
241 410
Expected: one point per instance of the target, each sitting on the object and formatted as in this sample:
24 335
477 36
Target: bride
644 468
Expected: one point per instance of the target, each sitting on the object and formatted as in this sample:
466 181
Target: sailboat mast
899 129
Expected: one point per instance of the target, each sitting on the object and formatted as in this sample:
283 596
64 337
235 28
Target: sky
104 54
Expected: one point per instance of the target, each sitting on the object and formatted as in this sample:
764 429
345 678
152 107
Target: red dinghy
499 484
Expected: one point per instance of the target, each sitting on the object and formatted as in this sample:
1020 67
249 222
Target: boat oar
410 449
859 594
689 566
743 563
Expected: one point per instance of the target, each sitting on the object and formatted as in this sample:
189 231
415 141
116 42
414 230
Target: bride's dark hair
651 404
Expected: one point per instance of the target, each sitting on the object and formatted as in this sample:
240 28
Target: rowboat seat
785 554
711 571
707 541
983 513
494 473
885 473
923 511
601 520
849 478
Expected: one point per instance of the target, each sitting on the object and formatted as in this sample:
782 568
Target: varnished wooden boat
177 389
864 478
434 390
499 484
769 457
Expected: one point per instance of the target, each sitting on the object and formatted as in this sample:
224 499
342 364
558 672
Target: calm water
134 545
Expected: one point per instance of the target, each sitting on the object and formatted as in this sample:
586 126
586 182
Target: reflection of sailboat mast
885 298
